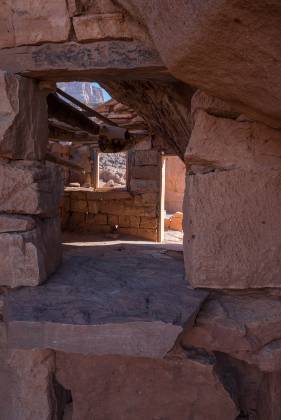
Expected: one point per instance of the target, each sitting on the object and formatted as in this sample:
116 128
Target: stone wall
30 189
135 211
232 198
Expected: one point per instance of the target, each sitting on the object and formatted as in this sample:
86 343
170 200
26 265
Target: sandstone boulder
23 118
23 22
27 258
246 326
28 187
140 388
205 50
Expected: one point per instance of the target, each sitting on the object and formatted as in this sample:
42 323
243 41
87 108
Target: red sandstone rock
23 118
206 49
175 221
23 22
33 396
233 237
246 326
138 388
101 26
232 203
16 223
229 144
28 187
28 258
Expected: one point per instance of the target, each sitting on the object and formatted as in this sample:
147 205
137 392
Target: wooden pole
90 111
61 111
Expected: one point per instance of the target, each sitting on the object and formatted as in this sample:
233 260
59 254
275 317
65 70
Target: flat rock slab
128 299
104 60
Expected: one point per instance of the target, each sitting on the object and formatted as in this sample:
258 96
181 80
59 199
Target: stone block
148 172
28 187
124 221
148 222
114 207
226 143
28 258
79 206
146 199
16 223
100 219
238 211
129 221
141 185
126 208
112 219
246 326
101 26
144 233
23 118
135 221
143 145
93 207
147 157
76 221
143 388
31 380
23 23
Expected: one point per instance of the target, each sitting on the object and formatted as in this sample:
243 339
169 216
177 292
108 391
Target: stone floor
109 296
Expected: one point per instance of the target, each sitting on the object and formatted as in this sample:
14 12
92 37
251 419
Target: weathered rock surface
239 212
226 143
104 60
23 118
203 48
101 26
244 325
28 187
233 199
15 223
164 106
114 299
23 22
141 388
28 257
32 396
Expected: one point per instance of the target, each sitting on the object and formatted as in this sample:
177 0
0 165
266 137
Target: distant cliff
88 93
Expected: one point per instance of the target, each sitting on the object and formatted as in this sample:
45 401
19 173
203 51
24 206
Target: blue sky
105 94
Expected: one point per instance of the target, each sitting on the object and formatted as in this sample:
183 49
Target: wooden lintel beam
62 111
60 134
90 111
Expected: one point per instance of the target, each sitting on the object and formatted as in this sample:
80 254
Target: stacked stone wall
135 211
30 189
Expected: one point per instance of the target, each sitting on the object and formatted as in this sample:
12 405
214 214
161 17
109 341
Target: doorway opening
172 191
